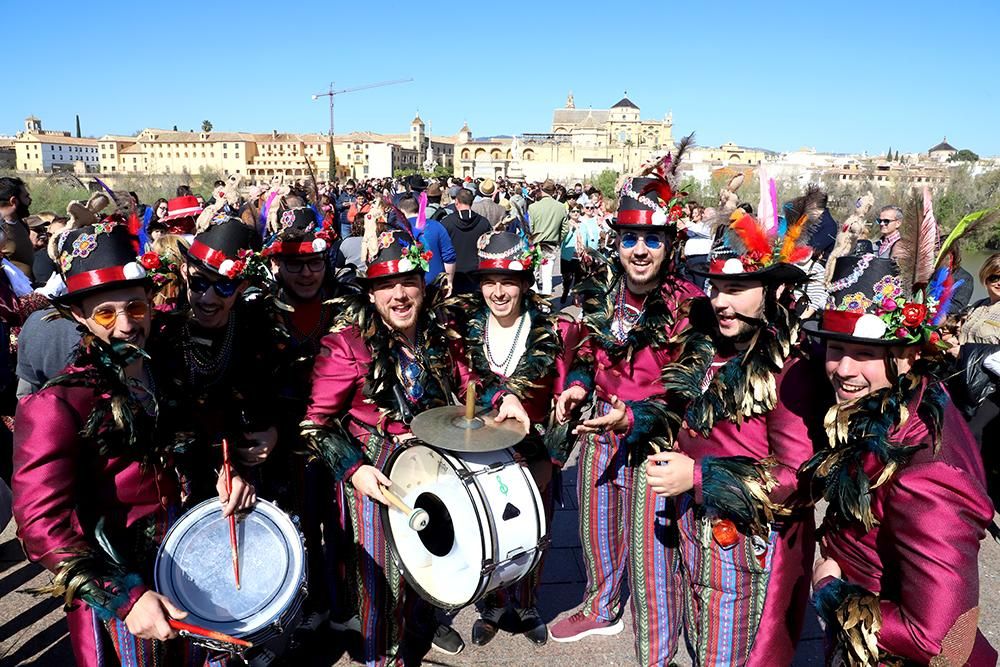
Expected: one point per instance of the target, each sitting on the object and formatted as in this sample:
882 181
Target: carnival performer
741 405
898 577
298 248
385 360
94 493
631 311
212 352
508 340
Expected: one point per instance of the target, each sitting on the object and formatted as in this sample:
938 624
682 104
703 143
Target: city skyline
899 76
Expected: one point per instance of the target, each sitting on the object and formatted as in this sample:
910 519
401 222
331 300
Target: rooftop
624 102
943 146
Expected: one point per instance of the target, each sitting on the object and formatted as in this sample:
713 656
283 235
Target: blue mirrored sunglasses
651 240
225 288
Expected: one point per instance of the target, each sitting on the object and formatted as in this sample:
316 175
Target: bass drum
486 527
194 568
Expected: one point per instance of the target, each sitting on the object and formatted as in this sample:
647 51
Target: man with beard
739 410
212 353
510 343
631 311
90 475
15 205
897 581
385 360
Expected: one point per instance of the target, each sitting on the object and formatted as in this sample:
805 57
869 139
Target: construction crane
331 93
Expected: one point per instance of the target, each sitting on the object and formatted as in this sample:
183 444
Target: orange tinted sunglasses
106 316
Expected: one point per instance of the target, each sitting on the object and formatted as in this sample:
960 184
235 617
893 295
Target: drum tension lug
488 566
544 543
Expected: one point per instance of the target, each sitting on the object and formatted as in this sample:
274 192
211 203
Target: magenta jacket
922 557
62 486
785 434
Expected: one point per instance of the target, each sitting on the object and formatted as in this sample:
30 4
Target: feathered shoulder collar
745 386
468 315
385 345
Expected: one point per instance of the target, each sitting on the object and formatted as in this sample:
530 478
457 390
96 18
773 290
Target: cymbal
446 427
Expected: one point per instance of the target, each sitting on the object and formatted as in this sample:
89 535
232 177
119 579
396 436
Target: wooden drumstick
181 626
234 544
470 401
418 518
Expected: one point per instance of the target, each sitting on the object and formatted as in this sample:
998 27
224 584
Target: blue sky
838 76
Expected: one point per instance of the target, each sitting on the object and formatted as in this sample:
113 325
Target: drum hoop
391 540
297 565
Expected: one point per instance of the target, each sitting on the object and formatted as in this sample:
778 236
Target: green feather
971 220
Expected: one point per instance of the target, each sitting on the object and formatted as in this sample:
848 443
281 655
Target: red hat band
207 254
94 278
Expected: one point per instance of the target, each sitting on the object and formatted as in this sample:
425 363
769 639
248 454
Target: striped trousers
626 530
377 582
744 605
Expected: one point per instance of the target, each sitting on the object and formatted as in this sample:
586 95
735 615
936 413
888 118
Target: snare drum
486 525
194 568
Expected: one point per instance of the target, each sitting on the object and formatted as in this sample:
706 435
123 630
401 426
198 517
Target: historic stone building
40 151
581 144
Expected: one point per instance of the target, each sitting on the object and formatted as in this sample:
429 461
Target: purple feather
773 193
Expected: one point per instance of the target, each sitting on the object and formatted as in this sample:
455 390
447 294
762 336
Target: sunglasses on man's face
885 221
315 265
224 287
652 241
106 316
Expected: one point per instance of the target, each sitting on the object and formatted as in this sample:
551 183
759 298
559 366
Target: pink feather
422 213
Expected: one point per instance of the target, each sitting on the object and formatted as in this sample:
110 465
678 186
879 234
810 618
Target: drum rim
391 539
298 565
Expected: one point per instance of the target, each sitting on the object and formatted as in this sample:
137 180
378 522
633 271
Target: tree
175 128
964 155
888 156
78 135
605 182
206 126
896 159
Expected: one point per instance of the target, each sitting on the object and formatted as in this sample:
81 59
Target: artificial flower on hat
653 198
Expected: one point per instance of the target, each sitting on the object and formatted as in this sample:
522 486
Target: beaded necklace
510 352
625 316
202 365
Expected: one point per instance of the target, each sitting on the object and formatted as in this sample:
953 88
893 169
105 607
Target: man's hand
673 477
569 401
615 420
259 445
511 408
825 567
150 617
243 497
369 480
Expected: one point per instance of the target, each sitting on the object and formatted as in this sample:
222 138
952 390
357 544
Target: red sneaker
579 625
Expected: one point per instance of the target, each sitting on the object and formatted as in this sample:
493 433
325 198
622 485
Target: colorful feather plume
918 246
672 176
746 231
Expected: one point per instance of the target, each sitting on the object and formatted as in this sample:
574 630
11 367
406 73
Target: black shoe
486 626
532 626
447 640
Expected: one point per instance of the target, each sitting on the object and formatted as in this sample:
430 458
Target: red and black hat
747 250
506 253
300 234
869 304
223 247
397 254
181 214
98 257
653 199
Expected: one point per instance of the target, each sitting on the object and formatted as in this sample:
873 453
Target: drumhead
194 568
443 562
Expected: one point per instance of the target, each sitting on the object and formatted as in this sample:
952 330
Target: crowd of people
717 368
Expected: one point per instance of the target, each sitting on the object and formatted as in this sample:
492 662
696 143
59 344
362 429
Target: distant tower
465 134
570 103
417 132
32 124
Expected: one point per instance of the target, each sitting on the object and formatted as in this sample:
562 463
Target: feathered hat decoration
653 197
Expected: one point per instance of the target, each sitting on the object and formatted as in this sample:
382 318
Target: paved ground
33 631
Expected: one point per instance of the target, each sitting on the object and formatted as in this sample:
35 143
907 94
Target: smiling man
90 470
631 311
510 343
212 353
898 576
385 360
741 411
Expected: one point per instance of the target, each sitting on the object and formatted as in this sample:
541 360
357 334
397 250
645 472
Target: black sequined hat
98 257
220 246
398 254
300 234
505 253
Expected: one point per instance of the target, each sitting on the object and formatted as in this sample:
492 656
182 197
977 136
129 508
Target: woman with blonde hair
165 269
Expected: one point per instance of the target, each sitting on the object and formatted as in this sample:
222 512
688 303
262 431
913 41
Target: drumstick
181 626
418 517
233 543
470 401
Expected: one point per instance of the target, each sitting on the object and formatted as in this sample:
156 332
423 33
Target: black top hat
506 253
868 305
746 250
416 182
98 257
300 234
648 203
222 246
397 255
